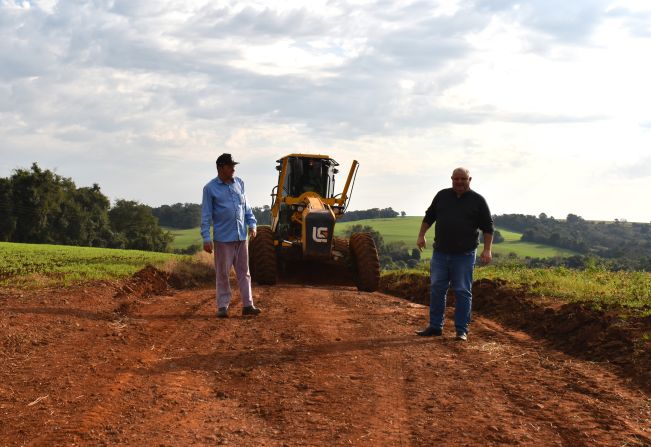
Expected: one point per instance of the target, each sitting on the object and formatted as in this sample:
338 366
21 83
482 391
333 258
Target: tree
574 219
179 215
139 226
262 214
7 220
373 213
36 197
377 237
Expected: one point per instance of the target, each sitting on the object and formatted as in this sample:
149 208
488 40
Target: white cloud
549 99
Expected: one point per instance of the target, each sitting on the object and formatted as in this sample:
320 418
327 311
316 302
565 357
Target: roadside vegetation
602 289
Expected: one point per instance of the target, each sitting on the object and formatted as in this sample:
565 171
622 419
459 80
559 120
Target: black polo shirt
458 220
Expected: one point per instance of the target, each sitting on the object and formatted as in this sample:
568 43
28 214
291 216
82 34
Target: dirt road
321 366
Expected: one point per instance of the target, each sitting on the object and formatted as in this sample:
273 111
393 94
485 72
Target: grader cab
304 211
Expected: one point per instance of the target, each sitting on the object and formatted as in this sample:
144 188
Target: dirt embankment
575 328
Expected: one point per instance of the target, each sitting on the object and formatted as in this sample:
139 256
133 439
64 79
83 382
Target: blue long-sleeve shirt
224 205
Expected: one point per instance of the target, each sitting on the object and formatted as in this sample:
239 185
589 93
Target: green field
184 238
38 265
406 229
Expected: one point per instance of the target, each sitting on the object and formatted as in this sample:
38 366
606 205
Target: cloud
641 169
638 23
564 22
96 86
250 23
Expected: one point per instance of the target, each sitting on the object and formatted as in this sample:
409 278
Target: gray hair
460 169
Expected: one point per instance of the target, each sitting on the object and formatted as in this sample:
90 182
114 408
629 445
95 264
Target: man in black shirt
459 214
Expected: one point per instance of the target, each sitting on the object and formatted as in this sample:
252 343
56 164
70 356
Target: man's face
226 172
460 181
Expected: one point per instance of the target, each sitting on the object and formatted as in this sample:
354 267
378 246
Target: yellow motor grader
301 235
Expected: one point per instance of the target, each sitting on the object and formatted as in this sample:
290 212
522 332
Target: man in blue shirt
224 206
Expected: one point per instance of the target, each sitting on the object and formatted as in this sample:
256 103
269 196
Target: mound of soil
574 328
411 286
146 282
151 281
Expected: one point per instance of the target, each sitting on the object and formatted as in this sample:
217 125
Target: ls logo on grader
320 234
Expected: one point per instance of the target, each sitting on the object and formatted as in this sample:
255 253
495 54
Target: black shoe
461 336
250 310
430 331
222 312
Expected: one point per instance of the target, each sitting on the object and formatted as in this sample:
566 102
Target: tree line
188 215
40 206
621 242
371 213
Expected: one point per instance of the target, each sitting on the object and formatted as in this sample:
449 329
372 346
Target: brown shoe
250 310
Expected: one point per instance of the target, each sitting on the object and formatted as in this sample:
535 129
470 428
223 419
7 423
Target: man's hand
252 233
486 256
207 247
421 242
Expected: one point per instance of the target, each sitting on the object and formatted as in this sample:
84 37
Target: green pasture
406 229
38 265
184 238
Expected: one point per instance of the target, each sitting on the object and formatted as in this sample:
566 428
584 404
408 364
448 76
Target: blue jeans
451 271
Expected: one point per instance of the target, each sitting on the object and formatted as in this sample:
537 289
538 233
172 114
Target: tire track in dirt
342 323
555 402
107 389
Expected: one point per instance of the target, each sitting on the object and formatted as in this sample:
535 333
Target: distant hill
406 229
629 242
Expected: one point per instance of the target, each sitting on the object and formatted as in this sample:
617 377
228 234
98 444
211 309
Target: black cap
225 159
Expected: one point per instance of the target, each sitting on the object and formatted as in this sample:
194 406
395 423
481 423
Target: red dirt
100 365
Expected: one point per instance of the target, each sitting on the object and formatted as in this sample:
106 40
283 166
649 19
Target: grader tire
366 263
340 244
262 257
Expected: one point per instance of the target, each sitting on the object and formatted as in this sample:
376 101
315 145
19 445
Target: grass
599 288
184 238
41 265
406 229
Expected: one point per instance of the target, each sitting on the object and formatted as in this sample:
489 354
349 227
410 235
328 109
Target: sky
546 102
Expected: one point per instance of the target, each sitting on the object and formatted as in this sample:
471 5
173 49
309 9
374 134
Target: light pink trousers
236 255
